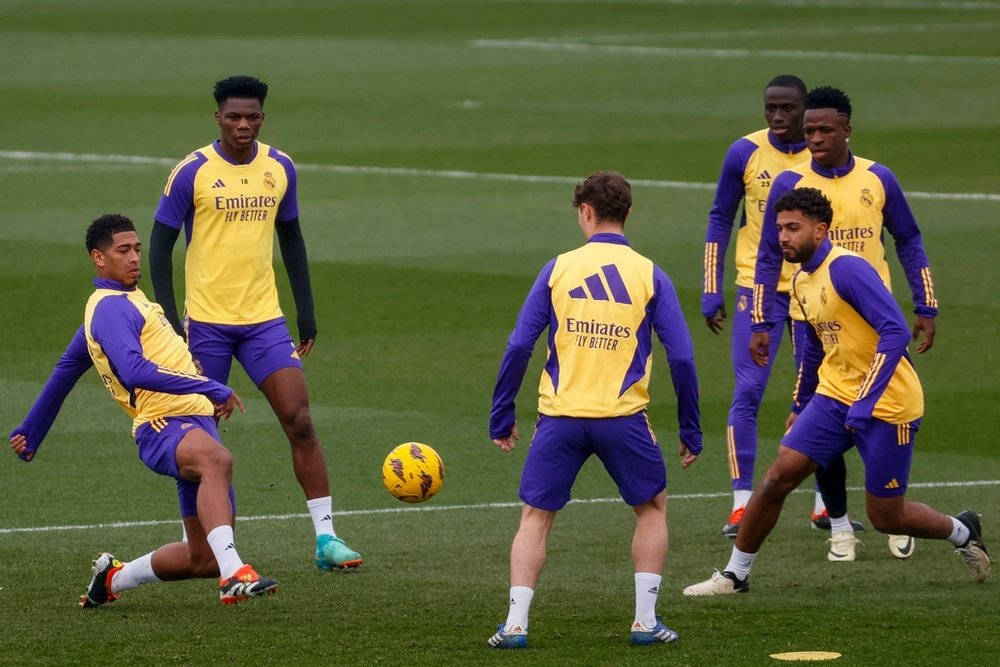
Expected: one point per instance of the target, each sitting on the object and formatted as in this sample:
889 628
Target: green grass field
438 144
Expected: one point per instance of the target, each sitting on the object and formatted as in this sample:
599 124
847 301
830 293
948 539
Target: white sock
740 563
520 603
819 505
959 532
840 523
741 497
321 511
134 573
224 547
647 587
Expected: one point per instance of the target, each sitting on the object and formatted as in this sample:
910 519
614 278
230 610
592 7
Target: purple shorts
158 450
625 445
886 449
260 348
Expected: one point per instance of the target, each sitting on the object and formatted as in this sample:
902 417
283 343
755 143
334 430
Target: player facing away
867 201
750 166
856 388
149 372
601 304
230 198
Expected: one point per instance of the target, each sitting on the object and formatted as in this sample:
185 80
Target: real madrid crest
822 295
268 180
741 305
866 197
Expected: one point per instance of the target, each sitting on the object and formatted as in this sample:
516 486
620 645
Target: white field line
756 33
140 160
440 508
730 54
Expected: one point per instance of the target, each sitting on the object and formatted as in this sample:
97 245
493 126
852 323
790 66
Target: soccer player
750 166
601 304
148 371
856 388
867 200
230 197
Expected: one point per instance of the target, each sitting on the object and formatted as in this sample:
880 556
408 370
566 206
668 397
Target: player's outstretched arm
74 362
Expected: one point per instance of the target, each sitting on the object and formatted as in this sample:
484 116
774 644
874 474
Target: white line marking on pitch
730 54
140 160
441 508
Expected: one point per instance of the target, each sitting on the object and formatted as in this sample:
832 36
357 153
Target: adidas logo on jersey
218 184
597 289
764 176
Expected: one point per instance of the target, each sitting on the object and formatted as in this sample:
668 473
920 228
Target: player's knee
298 425
776 485
884 521
747 397
203 565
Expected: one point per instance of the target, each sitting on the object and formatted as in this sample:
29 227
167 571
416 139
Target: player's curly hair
809 201
101 232
608 192
244 87
828 97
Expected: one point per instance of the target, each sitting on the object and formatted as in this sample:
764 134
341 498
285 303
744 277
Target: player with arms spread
230 198
601 304
149 372
856 388
867 200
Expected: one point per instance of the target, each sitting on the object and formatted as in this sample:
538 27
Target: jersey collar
608 237
822 252
218 151
108 283
835 172
779 145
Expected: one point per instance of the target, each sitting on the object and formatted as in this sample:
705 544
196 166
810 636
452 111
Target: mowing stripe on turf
141 160
441 508
730 54
947 5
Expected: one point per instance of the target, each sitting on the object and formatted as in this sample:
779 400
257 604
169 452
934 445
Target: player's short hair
243 87
608 192
787 81
828 97
809 201
101 232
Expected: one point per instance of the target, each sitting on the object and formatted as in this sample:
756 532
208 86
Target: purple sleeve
811 356
668 322
288 209
898 220
176 207
861 287
71 366
729 192
531 321
767 269
116 327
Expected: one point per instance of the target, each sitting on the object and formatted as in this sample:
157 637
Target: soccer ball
413 472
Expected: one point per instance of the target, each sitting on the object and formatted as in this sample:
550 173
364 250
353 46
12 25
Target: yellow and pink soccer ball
413 472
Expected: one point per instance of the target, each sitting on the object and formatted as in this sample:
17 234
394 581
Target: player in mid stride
231 198
856 388
601 303
149 372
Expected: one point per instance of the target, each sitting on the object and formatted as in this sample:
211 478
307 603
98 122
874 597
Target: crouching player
148 370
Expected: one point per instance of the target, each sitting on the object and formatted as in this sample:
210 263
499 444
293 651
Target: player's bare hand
760 344
792 416
715 321
507 443
19 445
929 327
687 458
224 410
305 346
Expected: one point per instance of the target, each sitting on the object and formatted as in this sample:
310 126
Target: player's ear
97 256
218 117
